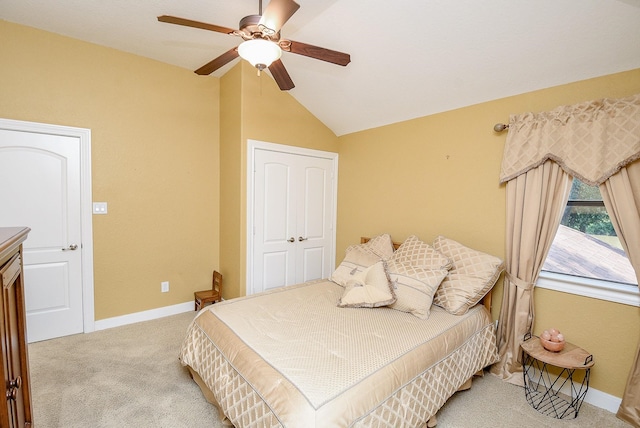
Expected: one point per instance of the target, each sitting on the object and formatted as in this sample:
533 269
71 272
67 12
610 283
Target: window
586 256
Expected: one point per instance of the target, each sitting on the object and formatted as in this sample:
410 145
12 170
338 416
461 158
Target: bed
307 356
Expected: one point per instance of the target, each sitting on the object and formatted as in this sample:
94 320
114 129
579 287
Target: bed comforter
292 358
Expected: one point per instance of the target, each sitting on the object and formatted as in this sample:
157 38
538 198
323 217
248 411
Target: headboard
486 300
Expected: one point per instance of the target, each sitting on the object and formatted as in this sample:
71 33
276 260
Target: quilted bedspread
290 357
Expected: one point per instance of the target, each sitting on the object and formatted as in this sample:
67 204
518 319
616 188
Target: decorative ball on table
552 340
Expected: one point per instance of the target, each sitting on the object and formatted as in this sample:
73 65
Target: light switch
99 207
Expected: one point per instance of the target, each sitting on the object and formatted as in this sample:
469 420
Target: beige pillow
472 276
382 245
420 254
414 287
356 260
368 289
359 257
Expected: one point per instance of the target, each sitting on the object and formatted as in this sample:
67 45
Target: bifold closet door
292 219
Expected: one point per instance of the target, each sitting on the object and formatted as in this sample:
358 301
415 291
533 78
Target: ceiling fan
262 45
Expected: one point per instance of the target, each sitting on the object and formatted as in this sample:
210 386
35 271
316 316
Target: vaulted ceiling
409 58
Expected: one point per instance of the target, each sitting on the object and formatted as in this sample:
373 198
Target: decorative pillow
473 274
421 254
368 289
359 257
382 245
414 287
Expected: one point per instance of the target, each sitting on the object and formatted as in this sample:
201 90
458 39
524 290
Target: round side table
555 392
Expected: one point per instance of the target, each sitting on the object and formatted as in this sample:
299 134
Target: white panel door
40 176
293 214
275 221
313 225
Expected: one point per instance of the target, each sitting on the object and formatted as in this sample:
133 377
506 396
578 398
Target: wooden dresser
13 338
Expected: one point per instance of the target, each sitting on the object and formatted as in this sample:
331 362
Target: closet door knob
300 238
292 239
71 247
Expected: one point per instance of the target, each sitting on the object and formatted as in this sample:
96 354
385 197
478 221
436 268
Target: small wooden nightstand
203 298
555 395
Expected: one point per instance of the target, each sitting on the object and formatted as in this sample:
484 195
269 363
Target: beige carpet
130 377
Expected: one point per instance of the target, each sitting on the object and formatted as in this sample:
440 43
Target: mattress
291 357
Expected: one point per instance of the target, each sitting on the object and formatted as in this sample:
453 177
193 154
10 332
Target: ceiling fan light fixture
259 52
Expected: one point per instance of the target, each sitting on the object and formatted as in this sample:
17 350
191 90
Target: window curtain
597 142
535 203
621 196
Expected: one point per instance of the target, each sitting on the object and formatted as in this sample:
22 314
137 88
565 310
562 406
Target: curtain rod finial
499 127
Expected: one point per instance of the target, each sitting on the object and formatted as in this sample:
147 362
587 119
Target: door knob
15 383
292 239
300 238
71 247
12 394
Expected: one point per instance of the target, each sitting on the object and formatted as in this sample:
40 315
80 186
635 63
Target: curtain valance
590 141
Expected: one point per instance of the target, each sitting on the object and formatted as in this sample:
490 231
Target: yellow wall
439 175
231 188
155 146
264 113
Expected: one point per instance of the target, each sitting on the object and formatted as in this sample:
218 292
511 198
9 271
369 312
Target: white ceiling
409 58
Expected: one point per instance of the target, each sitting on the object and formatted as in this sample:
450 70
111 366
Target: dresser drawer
10 271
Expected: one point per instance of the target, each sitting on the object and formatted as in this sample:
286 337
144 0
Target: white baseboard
149 315
603 400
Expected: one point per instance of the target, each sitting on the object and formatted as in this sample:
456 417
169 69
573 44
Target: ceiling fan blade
281 76
195 24
316 52
222 60
277 13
